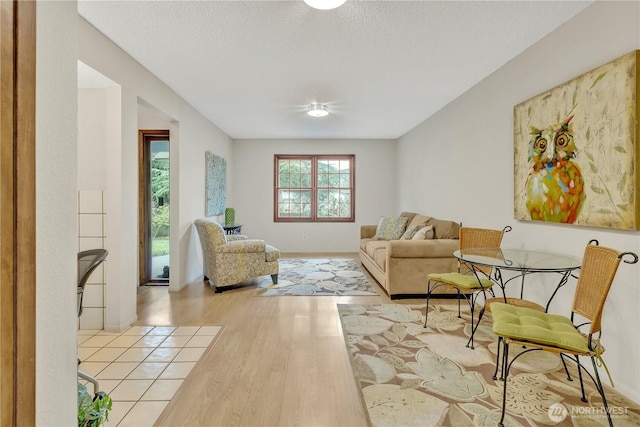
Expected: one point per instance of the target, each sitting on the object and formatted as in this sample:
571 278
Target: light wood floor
279 361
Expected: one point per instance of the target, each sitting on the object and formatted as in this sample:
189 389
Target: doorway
154 207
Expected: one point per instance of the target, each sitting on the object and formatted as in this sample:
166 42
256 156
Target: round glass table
522 261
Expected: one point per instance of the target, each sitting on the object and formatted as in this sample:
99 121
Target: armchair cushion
242 246
233 237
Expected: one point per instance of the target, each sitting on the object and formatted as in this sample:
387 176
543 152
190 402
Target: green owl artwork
576 149
555 187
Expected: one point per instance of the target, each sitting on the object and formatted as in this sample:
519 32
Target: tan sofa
401 266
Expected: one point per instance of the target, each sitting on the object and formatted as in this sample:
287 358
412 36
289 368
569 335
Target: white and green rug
318 276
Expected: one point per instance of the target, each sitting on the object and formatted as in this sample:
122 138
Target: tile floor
142 367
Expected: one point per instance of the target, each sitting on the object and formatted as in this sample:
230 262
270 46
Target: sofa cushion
391 227
425 233
444 229
363 243
380 258
411 231
374 245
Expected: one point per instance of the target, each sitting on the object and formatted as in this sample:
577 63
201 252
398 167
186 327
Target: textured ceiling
382 67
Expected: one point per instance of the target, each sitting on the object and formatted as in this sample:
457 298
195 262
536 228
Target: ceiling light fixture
318 110
324 4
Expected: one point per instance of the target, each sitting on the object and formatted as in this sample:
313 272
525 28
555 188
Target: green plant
92 412
160 221
160 247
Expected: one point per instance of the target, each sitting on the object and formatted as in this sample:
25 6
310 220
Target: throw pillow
411 231
391 228
424 233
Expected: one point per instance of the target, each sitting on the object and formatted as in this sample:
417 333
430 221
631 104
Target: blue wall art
215 184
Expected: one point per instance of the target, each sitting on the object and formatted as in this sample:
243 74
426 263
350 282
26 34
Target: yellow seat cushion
465 281
525 324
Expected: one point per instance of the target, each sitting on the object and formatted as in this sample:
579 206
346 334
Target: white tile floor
142 367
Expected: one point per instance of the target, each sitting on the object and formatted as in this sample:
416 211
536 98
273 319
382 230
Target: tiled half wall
91 235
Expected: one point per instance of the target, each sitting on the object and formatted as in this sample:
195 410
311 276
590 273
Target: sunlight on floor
142 367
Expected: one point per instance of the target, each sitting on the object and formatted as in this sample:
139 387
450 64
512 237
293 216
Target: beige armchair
231 259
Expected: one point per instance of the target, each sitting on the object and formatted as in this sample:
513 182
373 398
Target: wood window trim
314 187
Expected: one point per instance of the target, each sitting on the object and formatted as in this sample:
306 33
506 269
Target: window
317 188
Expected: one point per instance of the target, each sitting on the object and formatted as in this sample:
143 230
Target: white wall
191 135
468 150
56 232
149 118
253 200
93 125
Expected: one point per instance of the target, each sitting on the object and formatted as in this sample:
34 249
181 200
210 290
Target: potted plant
92 411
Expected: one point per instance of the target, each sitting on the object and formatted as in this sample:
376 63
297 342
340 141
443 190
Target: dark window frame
314 187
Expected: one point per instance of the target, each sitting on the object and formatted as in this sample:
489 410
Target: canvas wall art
576 153
215 184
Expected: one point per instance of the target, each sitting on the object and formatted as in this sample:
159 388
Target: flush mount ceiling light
325 4
317 110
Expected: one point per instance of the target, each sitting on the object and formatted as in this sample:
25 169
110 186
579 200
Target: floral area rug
318 276
411 376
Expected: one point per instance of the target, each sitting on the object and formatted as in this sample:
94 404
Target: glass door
154 207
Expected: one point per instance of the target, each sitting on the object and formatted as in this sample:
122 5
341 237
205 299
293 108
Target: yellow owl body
555 193
555 186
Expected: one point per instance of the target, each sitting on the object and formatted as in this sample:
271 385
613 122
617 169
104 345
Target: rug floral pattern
318 276
412 376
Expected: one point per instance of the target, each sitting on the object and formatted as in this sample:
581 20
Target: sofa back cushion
420 220
444 229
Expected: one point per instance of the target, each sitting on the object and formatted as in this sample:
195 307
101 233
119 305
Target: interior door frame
145 136
17 213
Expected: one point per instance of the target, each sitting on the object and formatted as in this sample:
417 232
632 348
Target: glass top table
522 261
518 259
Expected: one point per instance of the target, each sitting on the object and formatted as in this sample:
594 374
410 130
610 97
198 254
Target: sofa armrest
435 248
242 246
368 231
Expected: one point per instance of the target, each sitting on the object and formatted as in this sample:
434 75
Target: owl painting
554 187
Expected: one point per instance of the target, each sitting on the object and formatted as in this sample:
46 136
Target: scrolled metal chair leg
505 369
566 369
600 388
426 313
584 397
495 373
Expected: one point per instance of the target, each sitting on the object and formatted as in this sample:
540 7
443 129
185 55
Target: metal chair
468 282
537 330
88 261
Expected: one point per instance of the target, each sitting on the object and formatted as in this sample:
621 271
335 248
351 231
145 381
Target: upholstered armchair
231 259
